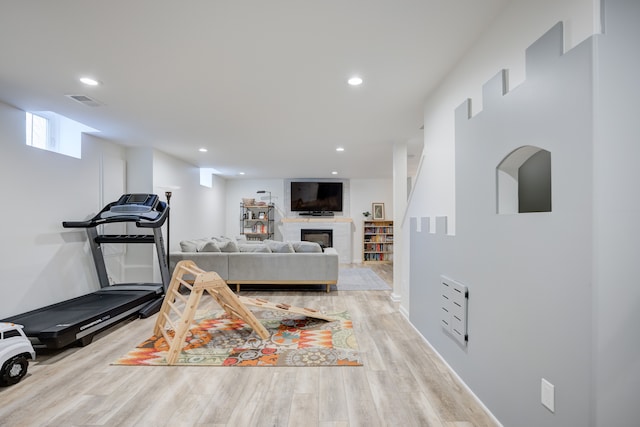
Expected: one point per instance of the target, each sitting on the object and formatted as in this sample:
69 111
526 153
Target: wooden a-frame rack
212 283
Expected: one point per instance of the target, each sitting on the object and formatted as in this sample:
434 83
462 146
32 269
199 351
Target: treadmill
79 319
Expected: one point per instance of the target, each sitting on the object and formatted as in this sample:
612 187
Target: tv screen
316 196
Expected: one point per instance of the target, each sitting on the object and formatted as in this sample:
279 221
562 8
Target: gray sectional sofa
267 262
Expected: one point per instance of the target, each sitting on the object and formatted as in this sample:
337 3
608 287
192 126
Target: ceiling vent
85 100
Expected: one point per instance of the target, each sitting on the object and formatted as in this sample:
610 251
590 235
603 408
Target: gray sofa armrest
208 261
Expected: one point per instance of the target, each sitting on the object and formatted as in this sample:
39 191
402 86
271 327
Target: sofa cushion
306 247
279 247
228 246
254 247
209 246
192 245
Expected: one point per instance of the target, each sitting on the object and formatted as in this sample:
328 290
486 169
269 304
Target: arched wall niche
523 181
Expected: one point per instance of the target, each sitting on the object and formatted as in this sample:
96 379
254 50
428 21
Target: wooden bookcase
377 241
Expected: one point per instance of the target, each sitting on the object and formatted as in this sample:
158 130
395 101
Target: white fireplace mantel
342 232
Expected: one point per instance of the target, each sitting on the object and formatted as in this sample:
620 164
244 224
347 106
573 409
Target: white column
399 208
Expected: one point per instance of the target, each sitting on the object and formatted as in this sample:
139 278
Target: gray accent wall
552 295
528 274
616 235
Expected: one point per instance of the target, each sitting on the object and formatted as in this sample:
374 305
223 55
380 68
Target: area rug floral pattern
218 340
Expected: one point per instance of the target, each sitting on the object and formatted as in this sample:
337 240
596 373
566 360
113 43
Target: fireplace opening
323 237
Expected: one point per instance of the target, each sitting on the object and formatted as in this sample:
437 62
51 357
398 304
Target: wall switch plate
547 395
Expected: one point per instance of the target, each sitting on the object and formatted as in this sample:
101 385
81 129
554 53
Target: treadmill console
142 205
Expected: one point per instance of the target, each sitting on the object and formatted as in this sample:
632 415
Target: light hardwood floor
402 383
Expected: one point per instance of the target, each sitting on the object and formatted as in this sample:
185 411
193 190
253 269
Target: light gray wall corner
519 267
616 269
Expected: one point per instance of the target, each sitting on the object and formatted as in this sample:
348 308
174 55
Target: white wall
196 210
40 261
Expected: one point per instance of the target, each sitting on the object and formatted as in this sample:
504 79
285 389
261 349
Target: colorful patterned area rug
218 340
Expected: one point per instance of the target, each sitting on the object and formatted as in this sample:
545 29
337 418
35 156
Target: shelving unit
377 242
256 221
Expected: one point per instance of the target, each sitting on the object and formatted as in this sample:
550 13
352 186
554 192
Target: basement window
524 181
50 131
206 176
38 132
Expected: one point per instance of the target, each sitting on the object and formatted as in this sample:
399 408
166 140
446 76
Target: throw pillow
306 247
209 246
254 247
228 246
192 245
279 247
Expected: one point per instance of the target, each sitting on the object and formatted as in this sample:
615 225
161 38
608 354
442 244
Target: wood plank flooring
402 383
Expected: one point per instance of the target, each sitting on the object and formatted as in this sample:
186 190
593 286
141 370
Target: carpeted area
360 279
294 340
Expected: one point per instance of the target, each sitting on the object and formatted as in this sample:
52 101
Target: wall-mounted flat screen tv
308 196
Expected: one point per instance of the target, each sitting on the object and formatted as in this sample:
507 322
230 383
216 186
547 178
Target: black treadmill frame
145 298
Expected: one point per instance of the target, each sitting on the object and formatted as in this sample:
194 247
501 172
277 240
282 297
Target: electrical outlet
547 395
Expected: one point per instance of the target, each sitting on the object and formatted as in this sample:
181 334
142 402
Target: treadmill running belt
60 324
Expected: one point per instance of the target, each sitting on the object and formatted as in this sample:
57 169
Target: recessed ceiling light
89 81
202 150
355 81
241 173
334 173
340 149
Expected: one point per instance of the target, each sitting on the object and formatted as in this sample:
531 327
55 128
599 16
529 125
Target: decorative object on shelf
263 192
378 211
377 241
366 214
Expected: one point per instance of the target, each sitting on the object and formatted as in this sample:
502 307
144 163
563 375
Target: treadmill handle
95 222
76 224
159 221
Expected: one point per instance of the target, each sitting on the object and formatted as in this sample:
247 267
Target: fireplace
323 237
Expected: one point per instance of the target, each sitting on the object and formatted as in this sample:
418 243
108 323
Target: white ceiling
260 83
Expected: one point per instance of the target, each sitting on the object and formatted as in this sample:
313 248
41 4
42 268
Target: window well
52 132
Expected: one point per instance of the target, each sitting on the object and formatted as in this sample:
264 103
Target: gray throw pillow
192 245
254 247
209 246
228 246
306 247
279 247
